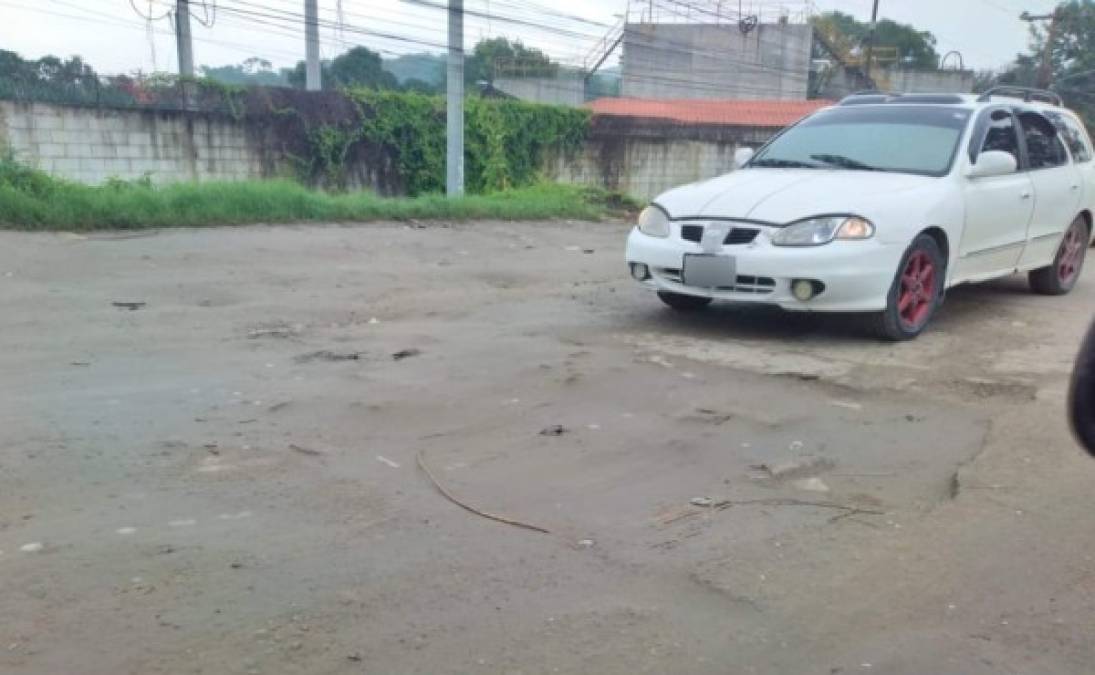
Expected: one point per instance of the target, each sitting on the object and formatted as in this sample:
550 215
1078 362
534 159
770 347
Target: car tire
916 292
1061 276
1081 399
682 302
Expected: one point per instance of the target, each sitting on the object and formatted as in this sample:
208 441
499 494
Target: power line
276 15
149 16
664 78
284 23
111 20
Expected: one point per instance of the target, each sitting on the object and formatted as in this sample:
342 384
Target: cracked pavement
225 480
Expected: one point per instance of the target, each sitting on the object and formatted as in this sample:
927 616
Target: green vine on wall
325 133
505 141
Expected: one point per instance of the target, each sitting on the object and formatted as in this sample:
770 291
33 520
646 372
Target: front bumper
857 275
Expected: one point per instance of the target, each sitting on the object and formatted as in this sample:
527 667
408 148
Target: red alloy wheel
916 297
1071 255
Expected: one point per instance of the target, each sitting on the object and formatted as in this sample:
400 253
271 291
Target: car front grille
743 284
740 235
735 237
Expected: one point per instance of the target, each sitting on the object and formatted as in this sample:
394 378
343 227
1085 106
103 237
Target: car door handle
1024 195
1075 187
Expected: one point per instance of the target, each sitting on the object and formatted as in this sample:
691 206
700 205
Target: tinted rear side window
1073 136
1044 147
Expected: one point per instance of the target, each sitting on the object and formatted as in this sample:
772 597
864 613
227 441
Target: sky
113 38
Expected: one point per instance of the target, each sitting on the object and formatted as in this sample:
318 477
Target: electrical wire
285 23
114 21
691 83
149 16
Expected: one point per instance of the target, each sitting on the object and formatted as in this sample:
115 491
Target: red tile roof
713 111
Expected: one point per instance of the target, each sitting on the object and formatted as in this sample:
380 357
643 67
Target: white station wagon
879 204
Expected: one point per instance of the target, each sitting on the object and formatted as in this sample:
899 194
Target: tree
420 86
253 71
498 56
49 77
1071 58
361 67
424 66
915 48
358 67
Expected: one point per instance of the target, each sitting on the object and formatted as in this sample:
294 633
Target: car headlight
818 231
654 222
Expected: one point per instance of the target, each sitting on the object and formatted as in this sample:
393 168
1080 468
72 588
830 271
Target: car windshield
905 139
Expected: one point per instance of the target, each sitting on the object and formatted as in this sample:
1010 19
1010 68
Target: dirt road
225 479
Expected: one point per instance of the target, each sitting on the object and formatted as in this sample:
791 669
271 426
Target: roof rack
870 97
1028 94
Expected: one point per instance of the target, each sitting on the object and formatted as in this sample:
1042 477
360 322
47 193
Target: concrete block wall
841 83
92 145
716 61
641 157
644 158
568 90
930 81
647 167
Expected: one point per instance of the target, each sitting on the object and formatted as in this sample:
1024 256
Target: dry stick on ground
781 501
448 495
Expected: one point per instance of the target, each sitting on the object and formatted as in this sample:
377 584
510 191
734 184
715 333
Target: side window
1044 147
1002 135
1073 134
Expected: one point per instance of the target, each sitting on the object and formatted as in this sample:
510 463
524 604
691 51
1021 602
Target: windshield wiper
782 163
845 162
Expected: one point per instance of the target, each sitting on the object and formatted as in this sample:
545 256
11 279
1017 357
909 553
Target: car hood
786 195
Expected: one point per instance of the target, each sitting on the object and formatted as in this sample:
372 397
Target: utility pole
868 61
182 38
454 108
1045 74
312 73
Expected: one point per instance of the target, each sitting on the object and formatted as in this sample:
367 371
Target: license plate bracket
709 271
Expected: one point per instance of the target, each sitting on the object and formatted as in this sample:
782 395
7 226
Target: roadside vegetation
34 200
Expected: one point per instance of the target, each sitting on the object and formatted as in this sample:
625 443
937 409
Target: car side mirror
1081 400
742 157
993 163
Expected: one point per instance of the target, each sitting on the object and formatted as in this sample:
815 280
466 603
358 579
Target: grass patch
33 200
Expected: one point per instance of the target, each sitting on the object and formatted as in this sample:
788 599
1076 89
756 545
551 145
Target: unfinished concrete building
665 60
706 50
718 49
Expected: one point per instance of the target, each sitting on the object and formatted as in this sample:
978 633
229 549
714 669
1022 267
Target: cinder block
66 166
105 151
43 110
79 150
46 122
94 177
19 138
50 150
116 167
145 165
72 137
80 119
